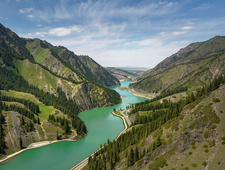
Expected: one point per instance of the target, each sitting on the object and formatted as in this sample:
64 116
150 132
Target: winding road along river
101 125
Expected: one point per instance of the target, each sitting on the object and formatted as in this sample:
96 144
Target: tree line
34 108
12 80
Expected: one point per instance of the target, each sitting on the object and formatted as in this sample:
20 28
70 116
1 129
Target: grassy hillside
44 57
43 79
191 67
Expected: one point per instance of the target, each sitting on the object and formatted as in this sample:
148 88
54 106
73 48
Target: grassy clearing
36 75
45 111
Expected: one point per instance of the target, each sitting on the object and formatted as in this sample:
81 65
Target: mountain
43 88
125 74
191 67
55 57
187 134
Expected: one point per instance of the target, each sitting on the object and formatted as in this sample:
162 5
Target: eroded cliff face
20 131
17 132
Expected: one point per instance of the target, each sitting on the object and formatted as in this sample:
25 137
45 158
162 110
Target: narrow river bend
101 125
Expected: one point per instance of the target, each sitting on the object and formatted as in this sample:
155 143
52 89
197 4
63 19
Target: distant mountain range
125 73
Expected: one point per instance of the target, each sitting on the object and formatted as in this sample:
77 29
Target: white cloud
150 42
41 34
5 18
25 10
181 31
61 31
187 28
178 32
30 16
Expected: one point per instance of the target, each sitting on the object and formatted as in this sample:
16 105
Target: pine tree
131 157
158 142
136 154
21 143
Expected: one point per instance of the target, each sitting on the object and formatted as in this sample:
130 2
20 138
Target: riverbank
32 146
124 123
83 163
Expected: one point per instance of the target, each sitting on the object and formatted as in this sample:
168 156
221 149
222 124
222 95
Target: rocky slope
191 67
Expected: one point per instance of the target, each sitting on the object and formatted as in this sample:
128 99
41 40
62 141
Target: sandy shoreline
148 96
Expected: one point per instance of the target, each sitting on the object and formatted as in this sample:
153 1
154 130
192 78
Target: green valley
112 85
44 88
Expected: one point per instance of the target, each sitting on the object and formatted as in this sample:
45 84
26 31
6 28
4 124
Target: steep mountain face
191 67
56 58
42 91
102 75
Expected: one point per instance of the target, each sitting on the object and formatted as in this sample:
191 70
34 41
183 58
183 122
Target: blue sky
117 32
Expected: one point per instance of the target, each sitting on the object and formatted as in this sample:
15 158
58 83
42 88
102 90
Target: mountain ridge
186 67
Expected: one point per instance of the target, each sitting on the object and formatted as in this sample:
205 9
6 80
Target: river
101 125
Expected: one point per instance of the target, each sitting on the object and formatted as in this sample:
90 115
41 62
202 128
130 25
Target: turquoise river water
101 125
